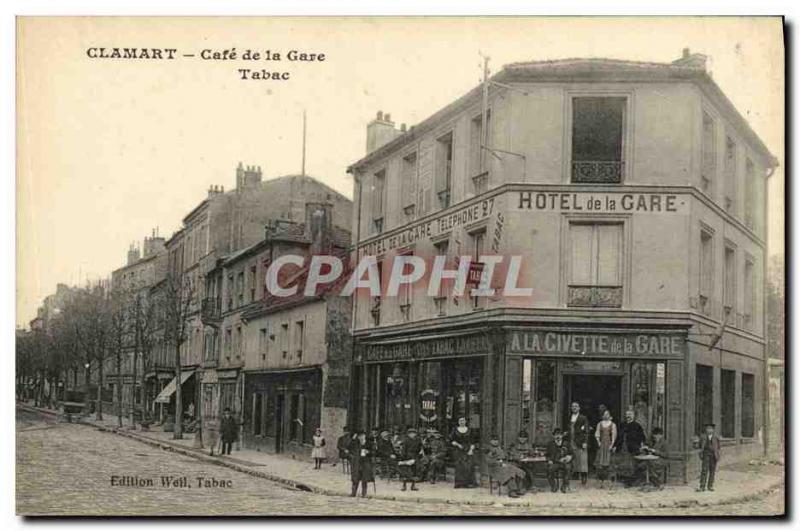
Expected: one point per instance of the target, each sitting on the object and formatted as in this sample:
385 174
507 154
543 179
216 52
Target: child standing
318 453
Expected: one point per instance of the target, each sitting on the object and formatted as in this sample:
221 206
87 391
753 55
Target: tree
119 330
145 314
177 301
91 327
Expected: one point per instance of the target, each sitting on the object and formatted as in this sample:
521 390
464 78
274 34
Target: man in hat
361 467
519 450
559 461
435 450
502 471
343 444
410 454
228 431
709 457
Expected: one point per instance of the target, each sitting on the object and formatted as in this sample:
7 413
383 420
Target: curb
299 485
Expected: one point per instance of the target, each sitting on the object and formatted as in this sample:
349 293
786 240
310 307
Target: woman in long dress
463 442
606 434
318 453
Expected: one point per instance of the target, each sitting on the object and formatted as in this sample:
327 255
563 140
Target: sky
108 150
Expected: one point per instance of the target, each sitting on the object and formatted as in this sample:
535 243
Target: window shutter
581 254
609 247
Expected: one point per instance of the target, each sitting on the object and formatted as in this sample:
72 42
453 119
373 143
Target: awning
163 396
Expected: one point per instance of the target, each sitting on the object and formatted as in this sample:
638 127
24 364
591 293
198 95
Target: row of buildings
635 194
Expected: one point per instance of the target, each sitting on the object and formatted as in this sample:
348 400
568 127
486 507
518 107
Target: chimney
319 223
247 177
153 245
380 131
133 254
691 60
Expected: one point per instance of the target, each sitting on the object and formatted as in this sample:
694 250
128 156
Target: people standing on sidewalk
628 445
343 445
559 462
709 457
462 439
605 434
409 461
361 465
579 439
229 431
318 453
436 453
502 471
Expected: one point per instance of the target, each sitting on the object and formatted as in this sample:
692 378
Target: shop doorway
591 391
279 423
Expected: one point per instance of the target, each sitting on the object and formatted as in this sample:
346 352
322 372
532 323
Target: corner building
635 195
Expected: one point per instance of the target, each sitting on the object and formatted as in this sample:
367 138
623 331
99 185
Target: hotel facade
635 195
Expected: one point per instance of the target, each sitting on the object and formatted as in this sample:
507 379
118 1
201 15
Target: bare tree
119 330
144 331
177 304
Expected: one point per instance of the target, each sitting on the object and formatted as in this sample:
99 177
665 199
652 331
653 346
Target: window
238 341
252 283
262 343
703 397
706 271
375 302
230 292
730 175
228 333
297 409
595 265
444 169
299 332
257 413
408 181
597 139
405 293
748 412
730 279
749 310
284 340
240 287
544 410
478 155
728 403
749 194
708 169
378 191
441 299
478 248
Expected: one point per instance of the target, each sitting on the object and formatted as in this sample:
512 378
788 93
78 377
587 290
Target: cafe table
533 467
648 459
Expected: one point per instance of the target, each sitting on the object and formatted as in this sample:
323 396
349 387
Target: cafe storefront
507 378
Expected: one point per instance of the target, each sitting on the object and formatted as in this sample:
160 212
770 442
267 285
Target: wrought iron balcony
597 171
211 311
595 296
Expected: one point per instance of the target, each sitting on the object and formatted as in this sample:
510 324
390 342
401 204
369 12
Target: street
72 469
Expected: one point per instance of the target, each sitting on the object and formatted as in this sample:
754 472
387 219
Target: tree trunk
99 389
119 390
178 430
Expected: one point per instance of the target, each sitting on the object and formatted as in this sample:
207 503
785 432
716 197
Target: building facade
634 195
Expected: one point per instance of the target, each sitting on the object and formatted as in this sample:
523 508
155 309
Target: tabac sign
579 344
439 347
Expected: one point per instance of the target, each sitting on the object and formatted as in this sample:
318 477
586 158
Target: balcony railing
597 171
211 311
595 296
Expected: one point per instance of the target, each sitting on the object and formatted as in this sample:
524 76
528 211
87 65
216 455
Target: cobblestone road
67 469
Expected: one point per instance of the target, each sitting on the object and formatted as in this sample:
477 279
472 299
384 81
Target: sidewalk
735 485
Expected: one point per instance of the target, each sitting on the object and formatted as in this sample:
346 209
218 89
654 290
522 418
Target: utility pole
303 167
484 113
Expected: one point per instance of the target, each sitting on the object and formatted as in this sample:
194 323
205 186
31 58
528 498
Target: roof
580 69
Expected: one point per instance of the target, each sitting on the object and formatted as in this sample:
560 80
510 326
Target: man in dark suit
559 461
228 430
630 439
709 457
361 457
343 444
579 438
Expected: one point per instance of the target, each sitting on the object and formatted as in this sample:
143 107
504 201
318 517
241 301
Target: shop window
257 413
703 397
527 398
444 169
706 271
728 403
748 411
463 393
397 401
709 157
595 266
544 406
429 386
647 394
730 279
597 139
378 192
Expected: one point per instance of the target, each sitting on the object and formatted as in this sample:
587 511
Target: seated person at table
630 438
501 470
521 448
559 461
657 447
435 450
385 454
